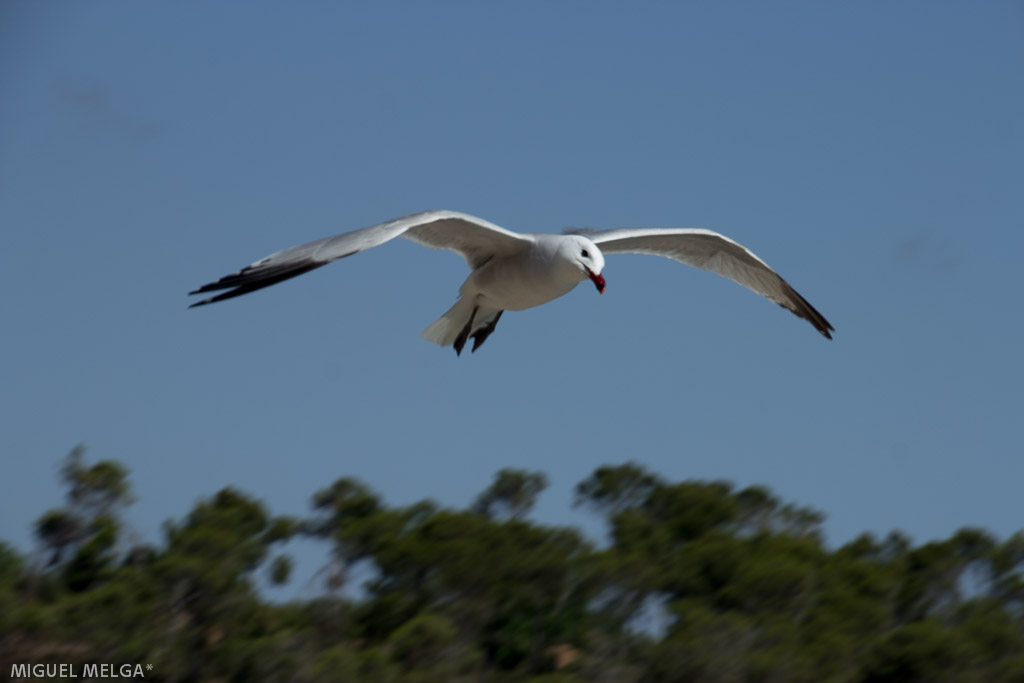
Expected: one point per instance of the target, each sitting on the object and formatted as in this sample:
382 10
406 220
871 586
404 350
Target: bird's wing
476 239
709 250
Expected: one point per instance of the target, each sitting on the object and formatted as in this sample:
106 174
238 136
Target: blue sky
872 153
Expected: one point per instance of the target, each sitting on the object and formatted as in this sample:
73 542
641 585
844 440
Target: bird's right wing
475 239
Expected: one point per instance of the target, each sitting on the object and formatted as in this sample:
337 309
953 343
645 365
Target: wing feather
710 251
475 239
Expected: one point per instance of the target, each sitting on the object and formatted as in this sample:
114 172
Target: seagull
513 271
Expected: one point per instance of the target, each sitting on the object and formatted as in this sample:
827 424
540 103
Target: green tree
699 581
511 495
89 525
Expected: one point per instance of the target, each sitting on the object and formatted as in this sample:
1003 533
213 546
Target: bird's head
588 258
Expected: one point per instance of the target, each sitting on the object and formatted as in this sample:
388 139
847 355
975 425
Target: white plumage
512 271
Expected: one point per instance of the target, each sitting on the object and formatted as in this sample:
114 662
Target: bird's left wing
709 250
476 239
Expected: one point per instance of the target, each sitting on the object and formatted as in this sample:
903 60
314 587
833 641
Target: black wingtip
247 280
819 322
803 309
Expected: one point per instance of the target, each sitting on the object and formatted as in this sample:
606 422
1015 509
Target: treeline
699 581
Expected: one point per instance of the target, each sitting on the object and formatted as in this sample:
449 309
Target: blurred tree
698 582
346 513
96 491
89 525
610 490
57 530
511 495
281 570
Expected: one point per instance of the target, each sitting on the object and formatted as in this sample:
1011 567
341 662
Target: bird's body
511 271
540 273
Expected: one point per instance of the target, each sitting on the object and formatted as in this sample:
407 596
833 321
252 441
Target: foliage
698 581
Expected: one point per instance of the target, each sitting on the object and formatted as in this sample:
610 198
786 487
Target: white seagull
513 272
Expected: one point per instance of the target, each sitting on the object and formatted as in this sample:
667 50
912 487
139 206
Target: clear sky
873 153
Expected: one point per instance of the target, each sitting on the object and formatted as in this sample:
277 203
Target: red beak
598 280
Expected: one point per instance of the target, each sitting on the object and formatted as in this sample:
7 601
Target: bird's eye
584 253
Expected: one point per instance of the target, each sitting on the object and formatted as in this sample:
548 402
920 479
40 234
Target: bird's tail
446 329
460 322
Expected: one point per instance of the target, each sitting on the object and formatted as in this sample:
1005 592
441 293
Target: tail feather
447 329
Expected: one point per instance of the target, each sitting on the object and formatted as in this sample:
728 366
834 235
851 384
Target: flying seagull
513 272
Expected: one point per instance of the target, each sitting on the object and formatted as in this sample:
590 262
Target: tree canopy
698 581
